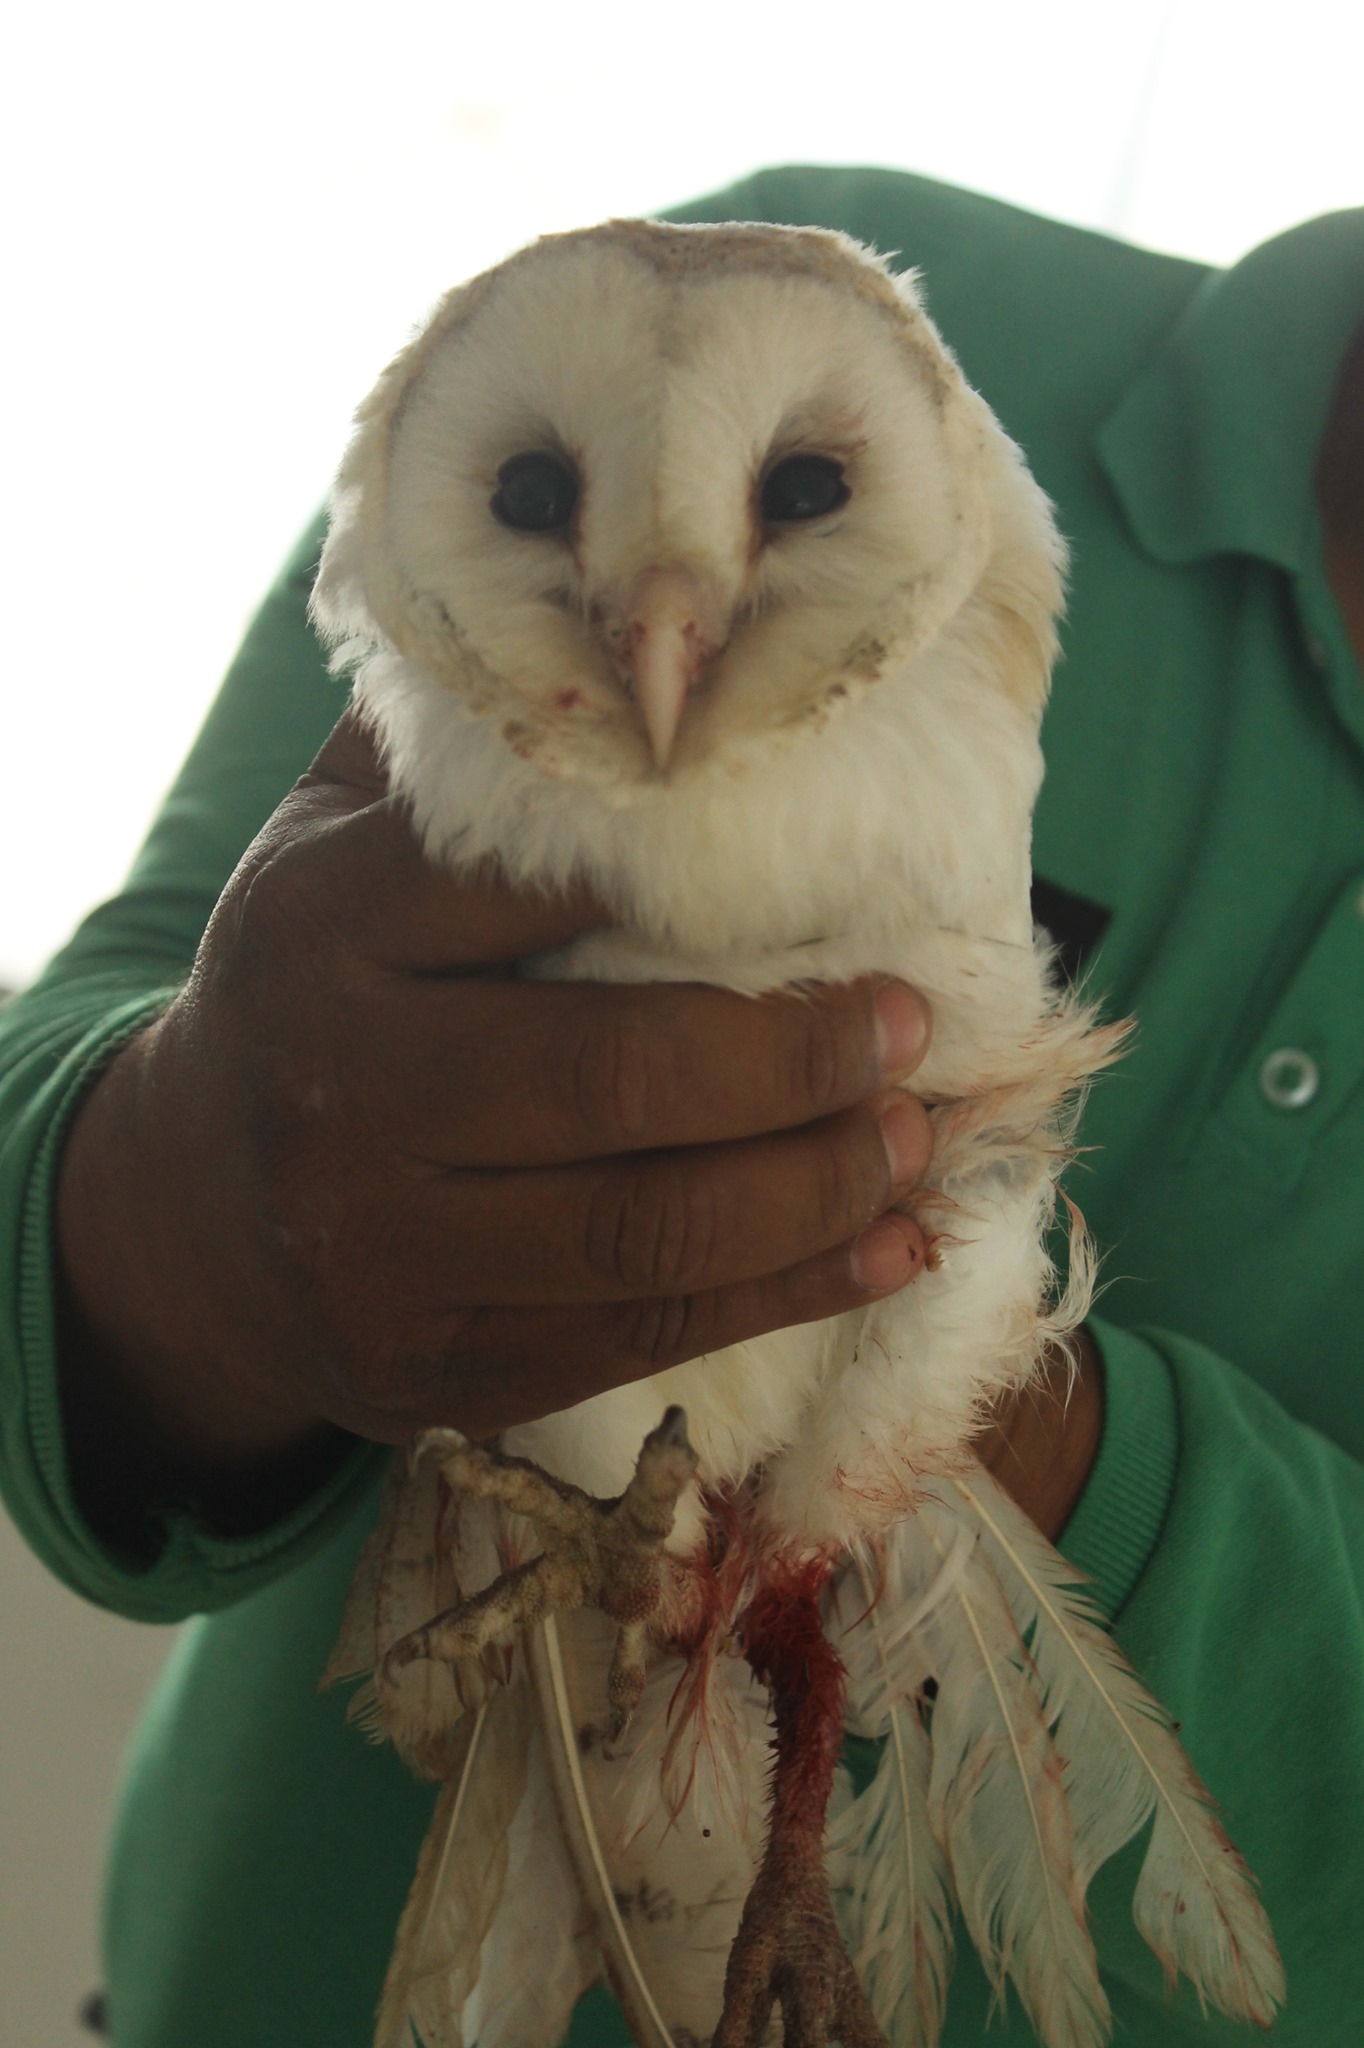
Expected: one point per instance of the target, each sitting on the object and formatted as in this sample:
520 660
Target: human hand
360 1176
1041 1443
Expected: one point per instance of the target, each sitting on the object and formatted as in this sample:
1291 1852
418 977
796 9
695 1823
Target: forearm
67 1438
1042 1443
118 974
154 1413
157 1407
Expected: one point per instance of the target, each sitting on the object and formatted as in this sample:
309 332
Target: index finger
526 1073
377 888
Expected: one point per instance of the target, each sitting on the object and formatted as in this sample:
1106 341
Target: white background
218 228
223 224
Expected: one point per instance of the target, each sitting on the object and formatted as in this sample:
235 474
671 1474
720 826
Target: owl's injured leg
597 1553
788 1950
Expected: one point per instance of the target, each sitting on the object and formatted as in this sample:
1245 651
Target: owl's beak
665 636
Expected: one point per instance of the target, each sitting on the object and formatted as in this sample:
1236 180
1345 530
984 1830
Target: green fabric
1205 786
123 965
1122 1510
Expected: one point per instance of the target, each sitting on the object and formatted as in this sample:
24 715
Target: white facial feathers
669 370
735 726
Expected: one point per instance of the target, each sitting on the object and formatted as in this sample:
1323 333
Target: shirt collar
1211 449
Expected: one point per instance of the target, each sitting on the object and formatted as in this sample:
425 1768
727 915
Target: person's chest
1204 809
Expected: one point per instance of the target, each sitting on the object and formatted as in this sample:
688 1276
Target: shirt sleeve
1226 1539
123 965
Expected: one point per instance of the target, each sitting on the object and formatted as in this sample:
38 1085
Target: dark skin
1041 1444
367 1182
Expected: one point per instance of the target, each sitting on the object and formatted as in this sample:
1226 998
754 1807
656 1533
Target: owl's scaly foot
597 1553
788 1950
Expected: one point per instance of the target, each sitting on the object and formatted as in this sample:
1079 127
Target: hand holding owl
356 1058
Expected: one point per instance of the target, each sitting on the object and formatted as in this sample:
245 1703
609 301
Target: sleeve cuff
1117 1522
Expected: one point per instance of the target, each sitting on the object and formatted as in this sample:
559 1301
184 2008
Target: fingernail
902 1135
901 1029
886 1254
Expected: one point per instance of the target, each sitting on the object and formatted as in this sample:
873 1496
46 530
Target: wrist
1042 1442
158 1401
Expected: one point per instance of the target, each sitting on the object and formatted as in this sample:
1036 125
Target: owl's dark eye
535 493
803 487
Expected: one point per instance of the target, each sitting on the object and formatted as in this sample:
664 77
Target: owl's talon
596 1553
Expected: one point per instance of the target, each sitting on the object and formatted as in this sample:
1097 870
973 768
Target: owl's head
643 495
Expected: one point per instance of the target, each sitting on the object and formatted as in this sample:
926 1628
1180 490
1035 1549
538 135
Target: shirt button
1289 1078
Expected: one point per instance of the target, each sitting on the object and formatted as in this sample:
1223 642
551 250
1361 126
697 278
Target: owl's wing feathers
976 1650
996 1798
890 1872
460 1879
537 1961
1195 1902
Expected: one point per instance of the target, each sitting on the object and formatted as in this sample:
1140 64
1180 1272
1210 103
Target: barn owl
684 563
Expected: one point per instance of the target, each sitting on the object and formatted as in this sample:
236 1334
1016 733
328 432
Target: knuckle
831 1204
921 1123
668 1329
268 894
396 1359
614 1079
290 1108
453 1374
655 1232
254 973
366 1376
829 1071
380 1386
849 1178
280 909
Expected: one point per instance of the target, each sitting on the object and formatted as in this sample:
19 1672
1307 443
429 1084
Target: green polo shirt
1200 851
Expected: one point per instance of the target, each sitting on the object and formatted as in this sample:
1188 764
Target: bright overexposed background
220 223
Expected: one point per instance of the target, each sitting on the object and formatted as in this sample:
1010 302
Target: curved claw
597 1553
439 1438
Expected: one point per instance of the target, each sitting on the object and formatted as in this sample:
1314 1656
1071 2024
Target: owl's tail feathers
537 1959
1020 1753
